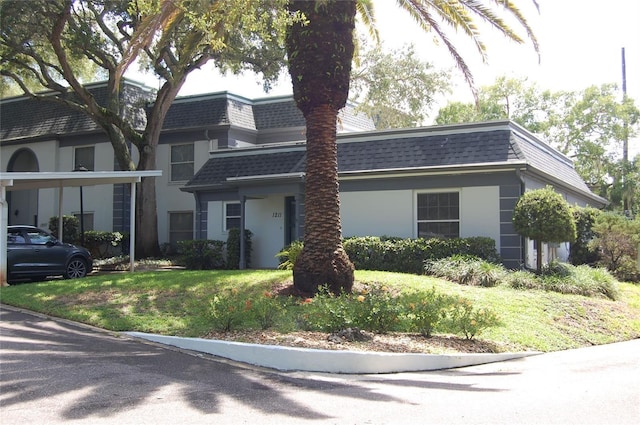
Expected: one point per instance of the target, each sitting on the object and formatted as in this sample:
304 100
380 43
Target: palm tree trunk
323 259
320 54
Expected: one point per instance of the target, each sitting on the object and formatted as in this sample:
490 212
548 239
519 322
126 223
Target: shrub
466 270
201 254
227 310
424 312
70 228
464 318
582 252
376 309
521 279
408 255
233 248
617 239
289 254
326 312
266 310
103 244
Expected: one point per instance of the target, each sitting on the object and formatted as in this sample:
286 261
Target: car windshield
38 237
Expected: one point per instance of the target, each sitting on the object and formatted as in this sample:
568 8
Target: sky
580 41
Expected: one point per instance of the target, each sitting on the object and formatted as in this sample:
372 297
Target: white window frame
437 192
172 163
225 217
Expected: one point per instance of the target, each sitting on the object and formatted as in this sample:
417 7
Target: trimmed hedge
409 255
202 254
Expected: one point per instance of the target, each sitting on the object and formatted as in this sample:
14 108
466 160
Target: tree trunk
146 210
538 256
323 260
320 54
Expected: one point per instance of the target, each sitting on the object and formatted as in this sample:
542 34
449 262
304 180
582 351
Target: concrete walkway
331 361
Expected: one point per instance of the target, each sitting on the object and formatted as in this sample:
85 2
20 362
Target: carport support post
4 221
60 221
132 228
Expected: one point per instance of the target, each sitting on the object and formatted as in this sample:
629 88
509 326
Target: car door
48 255
19 254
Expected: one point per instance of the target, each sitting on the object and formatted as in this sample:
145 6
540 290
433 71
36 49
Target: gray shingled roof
372 152
27 118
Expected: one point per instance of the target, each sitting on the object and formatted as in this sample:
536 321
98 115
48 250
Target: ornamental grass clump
466 270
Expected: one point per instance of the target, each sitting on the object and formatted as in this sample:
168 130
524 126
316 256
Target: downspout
243 259
523 250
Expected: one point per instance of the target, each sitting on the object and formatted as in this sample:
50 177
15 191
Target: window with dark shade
439 215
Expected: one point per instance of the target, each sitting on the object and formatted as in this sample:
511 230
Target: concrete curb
330 361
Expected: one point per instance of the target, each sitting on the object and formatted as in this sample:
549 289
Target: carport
11 181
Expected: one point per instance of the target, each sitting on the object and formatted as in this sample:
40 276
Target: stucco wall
264 218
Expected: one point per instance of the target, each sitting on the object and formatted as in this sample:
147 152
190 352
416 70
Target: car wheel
76 268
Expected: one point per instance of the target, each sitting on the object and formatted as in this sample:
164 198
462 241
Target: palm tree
320 51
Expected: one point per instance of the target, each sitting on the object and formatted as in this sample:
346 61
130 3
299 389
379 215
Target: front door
290 230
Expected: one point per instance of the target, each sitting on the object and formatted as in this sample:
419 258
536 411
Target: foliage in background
395 88
589 126
582 251
70 228
617 240
201 254
103 244
233 248
543 215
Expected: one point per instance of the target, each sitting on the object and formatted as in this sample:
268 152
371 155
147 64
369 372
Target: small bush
289 254
228 310
425 312
70 228
103 244
201 254
233 248
266 310
464 318
376 309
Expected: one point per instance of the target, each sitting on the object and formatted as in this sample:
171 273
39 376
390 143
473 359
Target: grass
179 303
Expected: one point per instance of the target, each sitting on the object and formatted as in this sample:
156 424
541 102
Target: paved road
58 372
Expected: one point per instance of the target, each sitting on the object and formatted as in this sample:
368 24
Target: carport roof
44 180
10 181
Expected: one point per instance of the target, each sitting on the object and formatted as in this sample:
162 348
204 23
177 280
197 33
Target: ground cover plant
256 304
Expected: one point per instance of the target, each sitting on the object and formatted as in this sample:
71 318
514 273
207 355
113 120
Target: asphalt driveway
56 372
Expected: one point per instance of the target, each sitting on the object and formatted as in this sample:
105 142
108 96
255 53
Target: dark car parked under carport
35 254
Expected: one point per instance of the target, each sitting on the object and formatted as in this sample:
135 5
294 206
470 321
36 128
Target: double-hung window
439 215
231 215
182 162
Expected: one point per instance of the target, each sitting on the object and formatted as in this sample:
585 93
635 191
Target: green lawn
179 303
